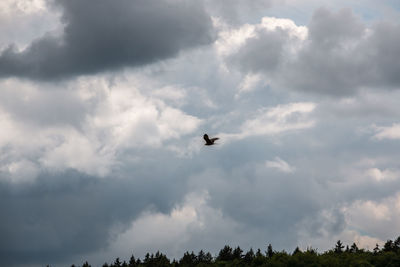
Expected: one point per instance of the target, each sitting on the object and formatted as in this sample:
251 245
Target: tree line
340 255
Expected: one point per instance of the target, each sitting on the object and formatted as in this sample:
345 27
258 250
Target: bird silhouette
209 142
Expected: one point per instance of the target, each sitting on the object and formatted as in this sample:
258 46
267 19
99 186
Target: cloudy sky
103 105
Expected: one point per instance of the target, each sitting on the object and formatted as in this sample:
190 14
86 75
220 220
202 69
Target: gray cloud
260 55
51 106
332 60
105 35
340 55
385 53
237 11
328 29
232 194
68 214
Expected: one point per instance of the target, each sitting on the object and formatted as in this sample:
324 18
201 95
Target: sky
103 105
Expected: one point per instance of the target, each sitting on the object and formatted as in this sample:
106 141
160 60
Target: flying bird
209 142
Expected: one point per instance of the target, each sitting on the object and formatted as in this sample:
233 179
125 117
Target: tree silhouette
354 248
397 244
132 261
389 246
249 256
188 259
339 247
237 253
204 258
270 251
376 249
296 250
388 256
117 262
225 254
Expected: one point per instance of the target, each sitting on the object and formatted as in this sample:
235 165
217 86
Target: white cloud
133 120
381 175
184 228
280 165
248 84
377 211
387 132
22 171
274 121
21 21
8 132
323 239
232 39
116 118
279 119
272 24
172 93
25 6
363 241
378 219
77 151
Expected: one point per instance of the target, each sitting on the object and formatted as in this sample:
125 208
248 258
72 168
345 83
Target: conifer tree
258 253
117 262
354 248
188 259
270 252
376 249
397 244
339 247
132 261
237 253
249 256
389 246
208 258
296 250
225 254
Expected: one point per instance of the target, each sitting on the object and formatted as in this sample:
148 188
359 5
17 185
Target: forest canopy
339 255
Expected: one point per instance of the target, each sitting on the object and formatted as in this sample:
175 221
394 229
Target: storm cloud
107 35
62 215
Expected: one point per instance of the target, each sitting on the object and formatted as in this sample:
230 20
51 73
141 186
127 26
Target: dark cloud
69 214
104 35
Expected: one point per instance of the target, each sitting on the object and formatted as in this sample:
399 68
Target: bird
209 142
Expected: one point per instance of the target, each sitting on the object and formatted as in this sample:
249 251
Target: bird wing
208 141
214 139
